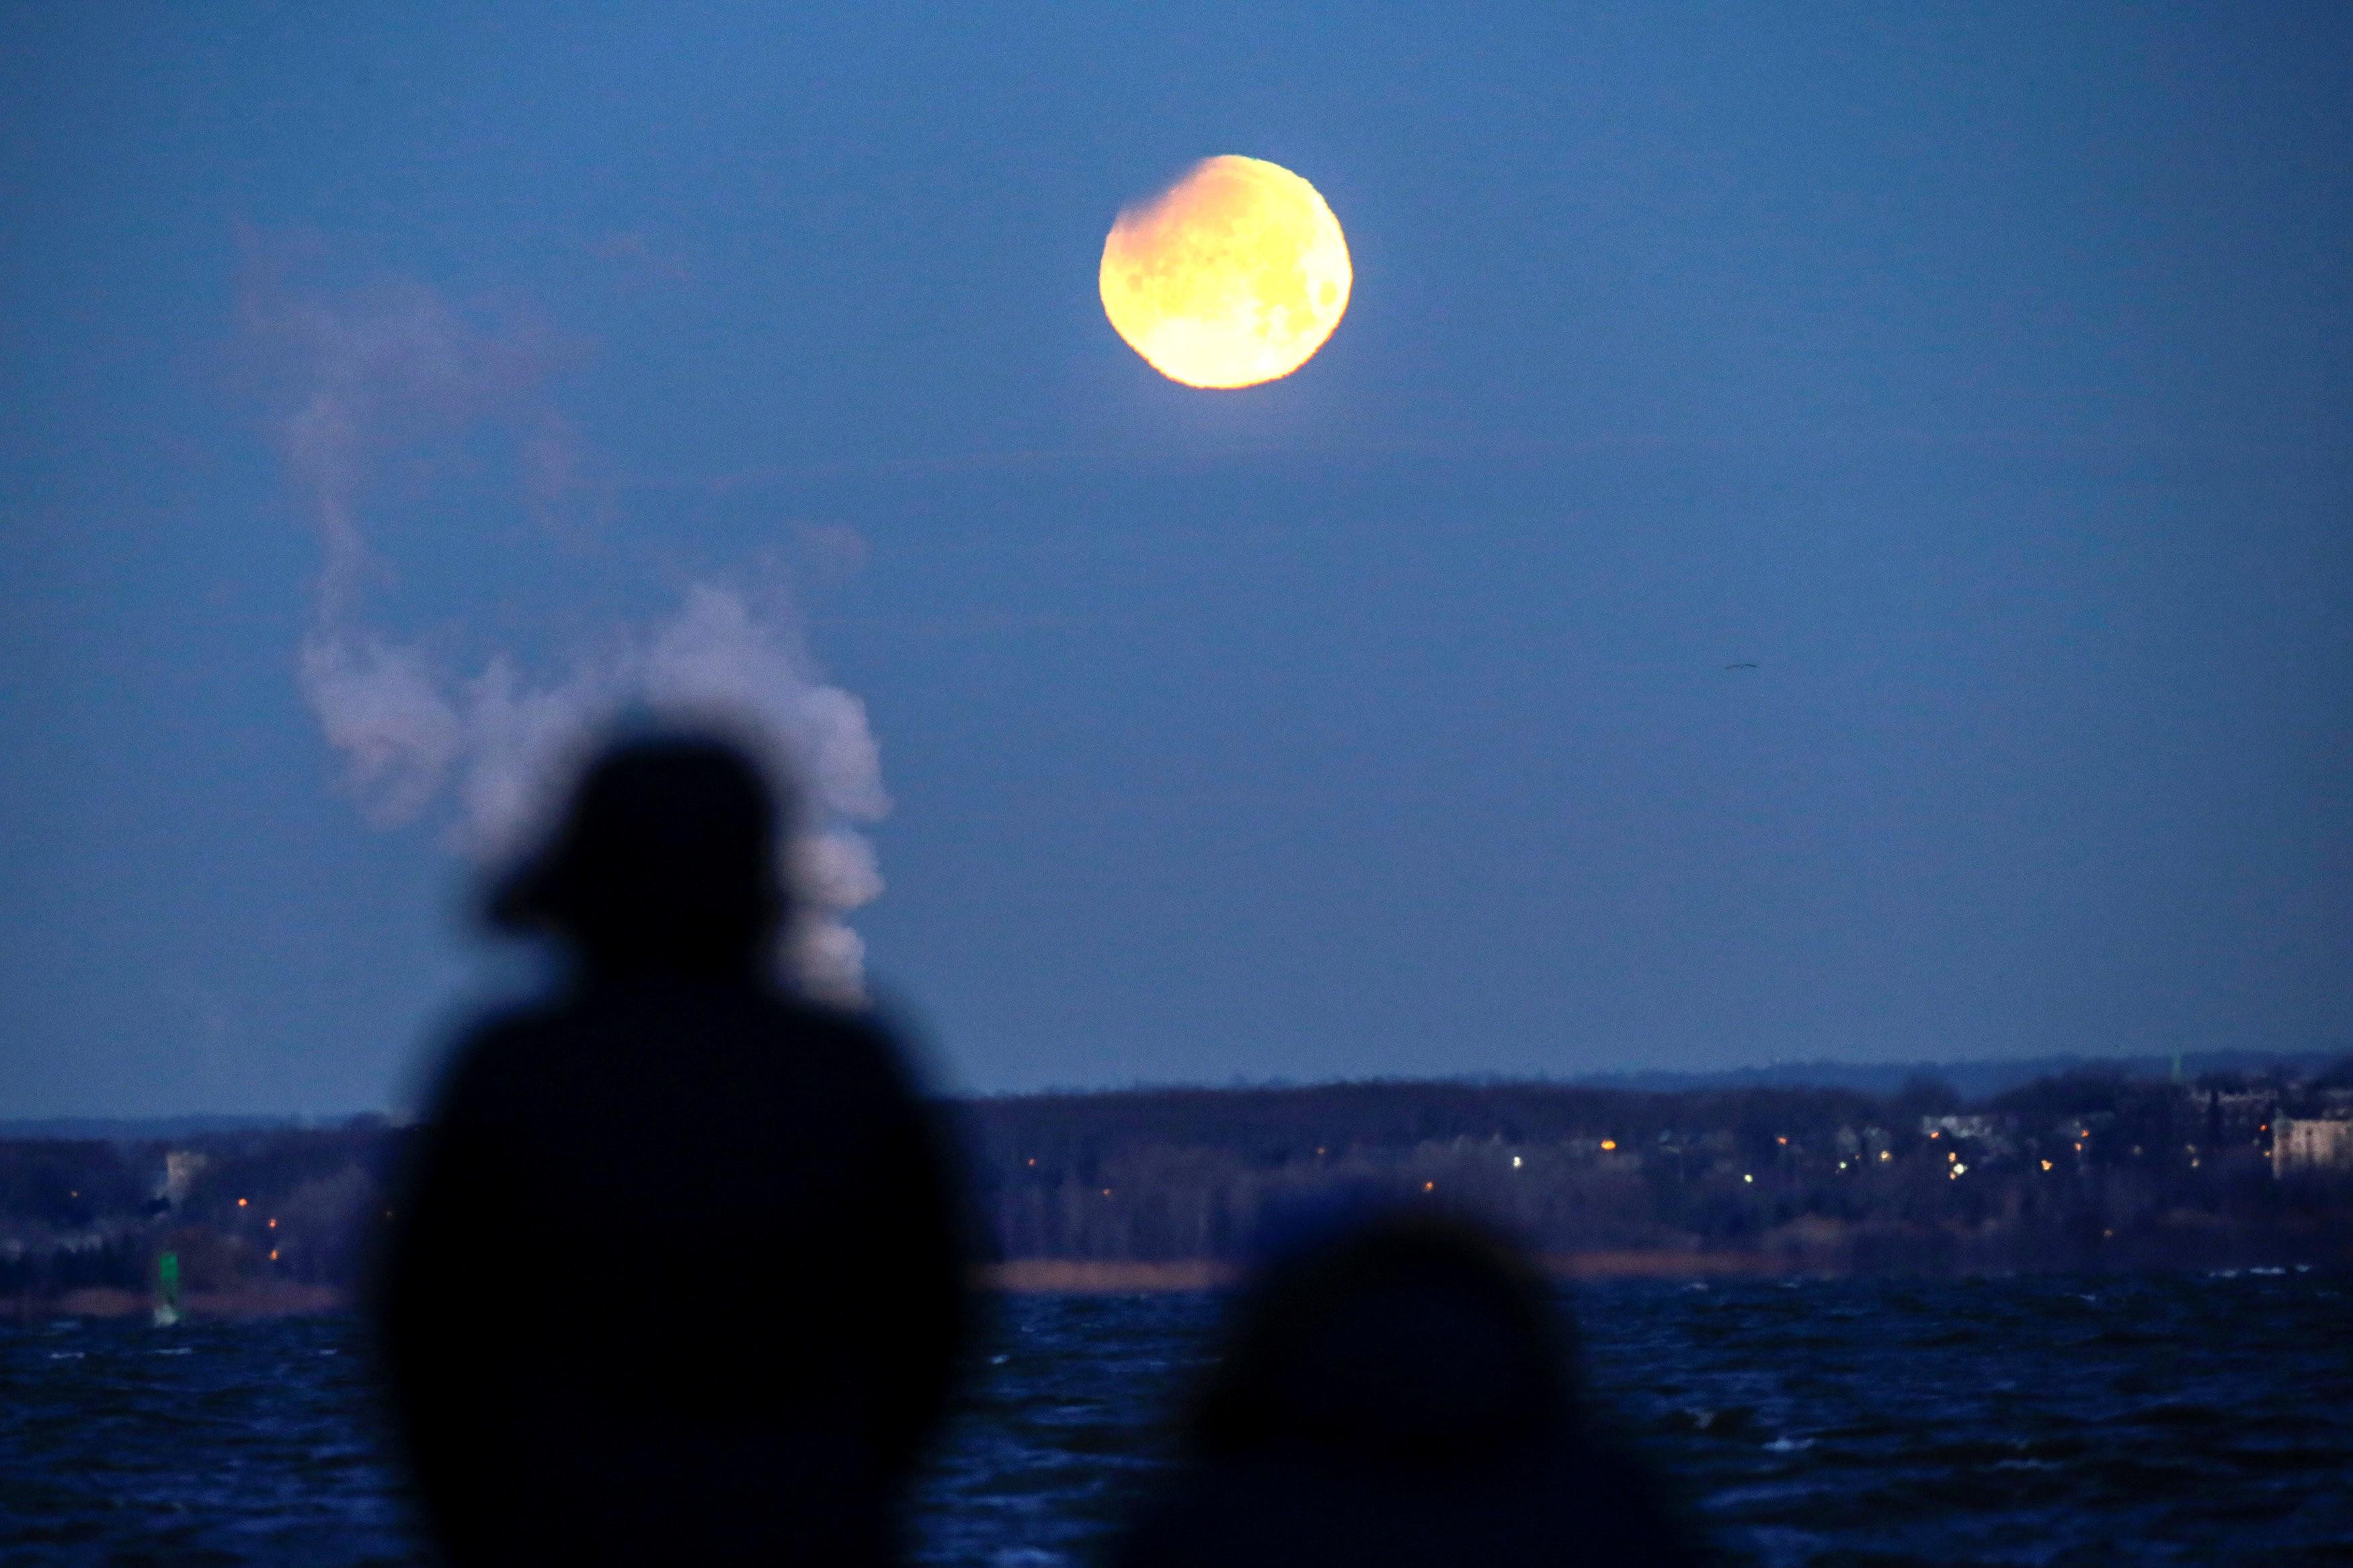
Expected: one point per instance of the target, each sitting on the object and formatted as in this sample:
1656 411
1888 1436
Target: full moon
1232 275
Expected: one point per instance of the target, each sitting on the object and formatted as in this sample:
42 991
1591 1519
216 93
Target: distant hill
154 1129
1974 1080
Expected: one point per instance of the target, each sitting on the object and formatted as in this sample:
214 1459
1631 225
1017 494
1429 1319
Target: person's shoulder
859 1047
1625 1503
851 1025
497 1053
849 1033
507 1033
510 1023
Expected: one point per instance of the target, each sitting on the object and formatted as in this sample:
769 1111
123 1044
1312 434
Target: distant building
2303 1146
1986 1132
2242 1117
181 1167
1959 1126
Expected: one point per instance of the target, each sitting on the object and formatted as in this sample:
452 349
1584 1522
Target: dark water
2191 1420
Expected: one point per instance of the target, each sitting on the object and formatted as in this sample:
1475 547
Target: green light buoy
167 1289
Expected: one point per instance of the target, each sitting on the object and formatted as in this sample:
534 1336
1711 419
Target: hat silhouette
666 856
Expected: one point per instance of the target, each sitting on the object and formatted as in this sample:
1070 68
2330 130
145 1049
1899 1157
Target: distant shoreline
1018 1277
103 1302
1152 1191
1090 1276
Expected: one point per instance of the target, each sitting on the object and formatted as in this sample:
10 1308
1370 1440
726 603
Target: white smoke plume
374 375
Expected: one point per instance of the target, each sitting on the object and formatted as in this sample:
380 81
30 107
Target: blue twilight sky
1980 375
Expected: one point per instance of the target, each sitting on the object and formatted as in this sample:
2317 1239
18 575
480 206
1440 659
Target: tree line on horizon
2084 1169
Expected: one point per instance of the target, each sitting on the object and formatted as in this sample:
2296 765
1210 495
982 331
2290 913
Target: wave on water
2202 1419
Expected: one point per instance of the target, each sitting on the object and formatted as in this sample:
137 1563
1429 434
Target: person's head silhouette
665 859
1401 1391
1408 1339
677 1273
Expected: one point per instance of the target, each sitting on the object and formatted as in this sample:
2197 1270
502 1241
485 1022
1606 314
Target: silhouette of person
677 1275
1401 1393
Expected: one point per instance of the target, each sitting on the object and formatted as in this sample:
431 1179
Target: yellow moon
1232 275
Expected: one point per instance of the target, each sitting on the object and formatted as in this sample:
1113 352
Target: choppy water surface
2192 1420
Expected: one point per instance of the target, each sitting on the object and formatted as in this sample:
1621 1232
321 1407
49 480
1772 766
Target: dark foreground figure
1401 1396
676 1278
